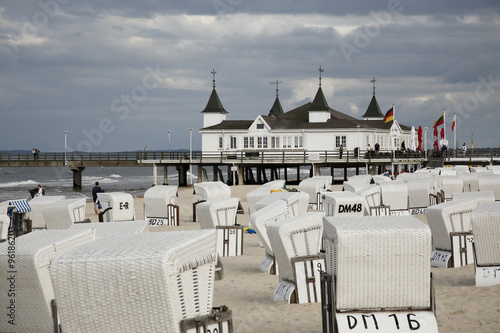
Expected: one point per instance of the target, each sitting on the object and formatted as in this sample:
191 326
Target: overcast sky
117 75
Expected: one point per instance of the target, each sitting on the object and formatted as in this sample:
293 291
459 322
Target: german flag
440 121
389 115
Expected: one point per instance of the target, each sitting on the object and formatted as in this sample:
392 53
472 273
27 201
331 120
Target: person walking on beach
97 204
37 191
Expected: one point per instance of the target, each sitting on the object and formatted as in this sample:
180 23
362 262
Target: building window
245 142
264 142
233 142
221 142
340 140
251 142
298 142
260 126
259 142
287 142
275 142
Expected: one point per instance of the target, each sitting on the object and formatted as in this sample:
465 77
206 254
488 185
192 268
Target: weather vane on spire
373 81
276 83
213 74
321 70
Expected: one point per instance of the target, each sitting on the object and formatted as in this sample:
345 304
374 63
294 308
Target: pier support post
155 175
240 175
165 175
215 173
182 170
77 175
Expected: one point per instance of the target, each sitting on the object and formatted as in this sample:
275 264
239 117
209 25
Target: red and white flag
454 121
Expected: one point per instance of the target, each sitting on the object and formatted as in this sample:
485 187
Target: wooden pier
250 167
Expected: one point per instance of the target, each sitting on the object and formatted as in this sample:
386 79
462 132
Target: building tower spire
213 77
276 83
373 81
321 70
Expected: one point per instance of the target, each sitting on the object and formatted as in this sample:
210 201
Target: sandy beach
461 306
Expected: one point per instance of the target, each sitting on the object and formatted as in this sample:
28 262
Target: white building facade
312 127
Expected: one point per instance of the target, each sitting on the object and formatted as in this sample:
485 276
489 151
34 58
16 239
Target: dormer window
260 126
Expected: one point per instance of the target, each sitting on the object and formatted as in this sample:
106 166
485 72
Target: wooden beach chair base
229 240
461 253
220 320
306 287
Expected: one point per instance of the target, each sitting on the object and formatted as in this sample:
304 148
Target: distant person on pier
97 204
403 147
341 150
34 153
377 148
464 149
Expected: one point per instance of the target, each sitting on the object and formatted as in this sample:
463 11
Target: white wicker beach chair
490 182
156 200
36 204
394 194
495 169
364 179
33 290
353 187
480 169
406 176
114 229
273 212
485 224
141 283
255 196
450 185
217 212
419 191
295 237
297 201
381 178
4 226
63 213
212 190
448 217
275 184
480 197
459 169
372 195
121 204
344 203
447 172
470 181
379 262
313 186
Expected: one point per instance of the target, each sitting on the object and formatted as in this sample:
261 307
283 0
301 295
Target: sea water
15 183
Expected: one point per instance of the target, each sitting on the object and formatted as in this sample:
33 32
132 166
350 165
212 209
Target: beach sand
461 306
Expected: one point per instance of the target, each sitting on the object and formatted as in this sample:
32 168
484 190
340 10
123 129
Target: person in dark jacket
97 204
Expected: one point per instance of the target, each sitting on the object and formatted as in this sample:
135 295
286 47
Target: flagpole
444 123
455 130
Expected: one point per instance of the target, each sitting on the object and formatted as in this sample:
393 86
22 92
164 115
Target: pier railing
257 156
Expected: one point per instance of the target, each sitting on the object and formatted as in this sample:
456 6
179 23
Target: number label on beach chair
440 258
399 212
487 276
157 222
417 211
387 322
